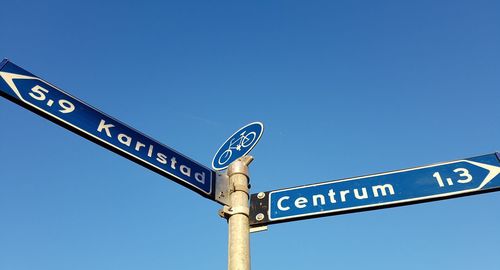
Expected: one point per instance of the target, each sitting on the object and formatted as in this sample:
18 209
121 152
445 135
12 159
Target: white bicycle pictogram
237 144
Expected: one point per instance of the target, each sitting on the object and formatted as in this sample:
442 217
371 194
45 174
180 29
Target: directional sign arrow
45 99
416 185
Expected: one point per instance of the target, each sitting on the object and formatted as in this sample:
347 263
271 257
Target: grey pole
238 212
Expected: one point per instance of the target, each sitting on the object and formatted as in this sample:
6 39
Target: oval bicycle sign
238 145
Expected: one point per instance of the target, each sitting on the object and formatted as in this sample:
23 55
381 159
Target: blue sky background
344 88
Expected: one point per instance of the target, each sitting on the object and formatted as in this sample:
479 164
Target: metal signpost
232 154
434 182
231 189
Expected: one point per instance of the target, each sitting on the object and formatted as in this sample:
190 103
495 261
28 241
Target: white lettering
162 158
185 170
383 189
173 161
364 196
126 140
102 125
200 177
331 194
320 197
280 206
150 151
301 202
138 146
342 194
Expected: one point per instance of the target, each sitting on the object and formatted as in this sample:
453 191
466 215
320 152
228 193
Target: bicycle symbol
237 145
244 141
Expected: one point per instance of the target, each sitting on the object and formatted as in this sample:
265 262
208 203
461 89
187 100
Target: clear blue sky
344 88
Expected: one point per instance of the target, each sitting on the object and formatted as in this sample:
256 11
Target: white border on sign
9 79
493 172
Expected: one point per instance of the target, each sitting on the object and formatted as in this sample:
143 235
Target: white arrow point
493 172
9 79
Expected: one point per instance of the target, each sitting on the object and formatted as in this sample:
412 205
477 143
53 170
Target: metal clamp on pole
228 211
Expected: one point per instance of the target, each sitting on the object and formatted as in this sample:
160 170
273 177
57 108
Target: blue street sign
238 145
416 185
45 99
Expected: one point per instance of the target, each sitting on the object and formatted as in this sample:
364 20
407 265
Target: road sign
433 182
45 99
238 145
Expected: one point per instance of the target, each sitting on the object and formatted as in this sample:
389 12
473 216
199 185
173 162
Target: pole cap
240 166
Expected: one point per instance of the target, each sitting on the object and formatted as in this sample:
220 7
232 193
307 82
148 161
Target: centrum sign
47 100
432 182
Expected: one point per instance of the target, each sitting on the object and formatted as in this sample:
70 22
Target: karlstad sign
47 100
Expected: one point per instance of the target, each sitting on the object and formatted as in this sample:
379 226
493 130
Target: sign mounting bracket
222 188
